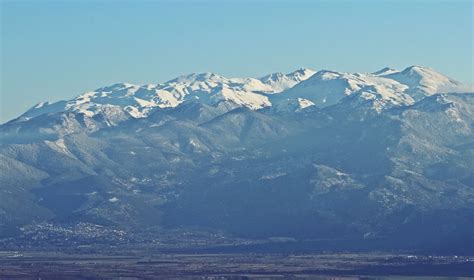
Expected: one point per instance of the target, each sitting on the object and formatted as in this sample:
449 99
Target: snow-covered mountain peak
299 89
301 74
417 69
280 82
115 87
385 71
273 77
326 75
198 77
421 72
422 81
326 88
427 76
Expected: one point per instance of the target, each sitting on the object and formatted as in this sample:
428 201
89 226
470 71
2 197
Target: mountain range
383 157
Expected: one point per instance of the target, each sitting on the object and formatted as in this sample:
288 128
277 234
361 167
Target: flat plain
146 265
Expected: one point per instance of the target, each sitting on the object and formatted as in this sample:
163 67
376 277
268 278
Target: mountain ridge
138 101
381 160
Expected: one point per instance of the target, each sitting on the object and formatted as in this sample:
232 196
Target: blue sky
58 49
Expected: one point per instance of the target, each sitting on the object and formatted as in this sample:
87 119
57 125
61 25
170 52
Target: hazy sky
58 49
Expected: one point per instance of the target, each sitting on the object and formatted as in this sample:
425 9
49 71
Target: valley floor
146 265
